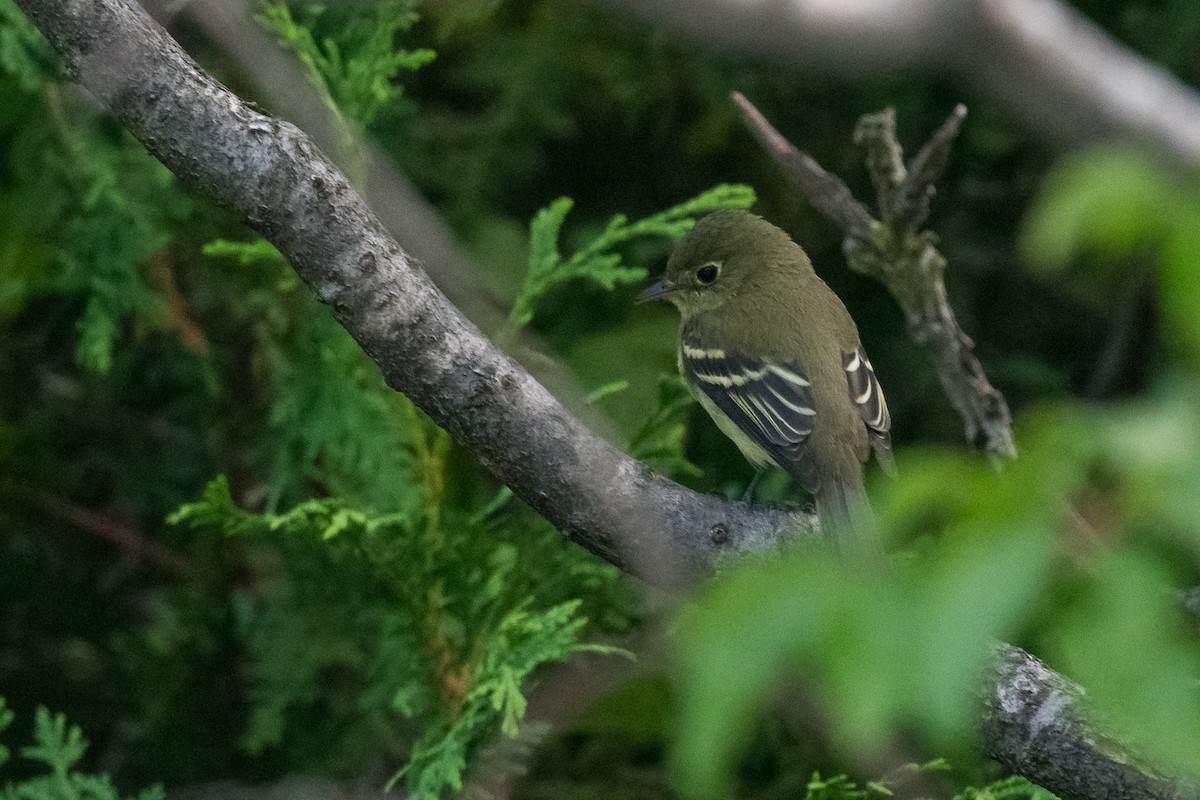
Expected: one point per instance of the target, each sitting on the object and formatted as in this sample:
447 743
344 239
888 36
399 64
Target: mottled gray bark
278 76
1034 723
895 250
274 178
270 174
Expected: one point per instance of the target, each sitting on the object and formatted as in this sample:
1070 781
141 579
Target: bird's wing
872 407
770 402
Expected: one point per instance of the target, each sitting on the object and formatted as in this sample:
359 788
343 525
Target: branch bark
275 74
1035 724
271 175
409 217
895 251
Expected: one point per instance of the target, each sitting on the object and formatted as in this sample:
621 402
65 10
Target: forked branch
895 250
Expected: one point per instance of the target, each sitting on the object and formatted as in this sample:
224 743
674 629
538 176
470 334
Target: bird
774 357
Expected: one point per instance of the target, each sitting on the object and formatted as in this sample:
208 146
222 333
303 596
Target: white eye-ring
708 273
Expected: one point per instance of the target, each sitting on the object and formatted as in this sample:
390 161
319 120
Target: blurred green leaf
903 650
1111 202
1115 204
1127 642
877 651
1179 282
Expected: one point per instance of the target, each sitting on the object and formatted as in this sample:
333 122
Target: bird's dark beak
656 291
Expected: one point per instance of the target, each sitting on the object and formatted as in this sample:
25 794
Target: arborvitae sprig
841 787
597 261
58 748
1013 787
434 618
355 63
74 181
659 442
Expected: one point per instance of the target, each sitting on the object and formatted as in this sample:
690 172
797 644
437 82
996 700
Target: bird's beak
656 291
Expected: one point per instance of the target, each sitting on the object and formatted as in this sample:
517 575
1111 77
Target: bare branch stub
827 192
898 253
876 135
926 169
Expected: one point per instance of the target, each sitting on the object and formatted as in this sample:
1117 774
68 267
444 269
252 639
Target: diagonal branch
896 252
407 215
271 175
1035 724
826 192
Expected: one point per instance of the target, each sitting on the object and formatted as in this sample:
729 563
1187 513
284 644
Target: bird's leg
748 495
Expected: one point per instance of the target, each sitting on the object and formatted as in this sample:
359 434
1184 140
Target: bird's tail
847 521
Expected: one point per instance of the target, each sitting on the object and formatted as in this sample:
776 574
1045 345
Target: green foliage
596 260
6 719
1113 205
905 648
128 203
413 633
58 748
25 56
335 424
660 441
1121 634
350 55
1011 788
1110 202
247 254
841 787
442 619
110 205
1081 547
97 192
522 642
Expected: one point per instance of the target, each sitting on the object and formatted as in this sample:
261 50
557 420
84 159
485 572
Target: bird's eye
707 274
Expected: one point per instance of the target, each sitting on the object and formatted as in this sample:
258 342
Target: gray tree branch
276 75
1035 724
408 216
1048 62
271 175
895 251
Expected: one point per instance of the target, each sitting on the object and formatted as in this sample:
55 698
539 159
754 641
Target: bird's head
727 254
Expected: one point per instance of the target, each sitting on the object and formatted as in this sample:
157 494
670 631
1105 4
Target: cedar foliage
309 577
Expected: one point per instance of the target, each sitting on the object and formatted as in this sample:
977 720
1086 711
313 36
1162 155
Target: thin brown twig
905 259
178 319
132 542
827 192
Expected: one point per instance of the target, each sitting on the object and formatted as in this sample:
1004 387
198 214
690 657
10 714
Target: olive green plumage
773 355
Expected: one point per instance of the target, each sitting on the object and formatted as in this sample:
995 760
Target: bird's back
786 314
